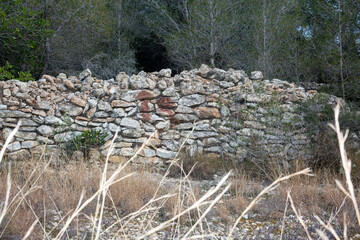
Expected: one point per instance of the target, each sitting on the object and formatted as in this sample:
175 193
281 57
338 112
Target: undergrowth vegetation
317 113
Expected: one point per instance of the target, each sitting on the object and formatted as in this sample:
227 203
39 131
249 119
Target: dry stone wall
213 111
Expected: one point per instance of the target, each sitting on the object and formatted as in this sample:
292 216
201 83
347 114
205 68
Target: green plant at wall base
88 139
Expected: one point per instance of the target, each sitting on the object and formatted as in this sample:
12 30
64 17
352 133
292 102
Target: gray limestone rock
170 92
50 120
65 137
256 75
148 152
162 85
71 110
13 114
165 72
118 112
104 106
184 109
29 144
186 117
14 146
165 153
127 152
192 100
28 123
45 130
84 74
43 105
130 123
132 133
113 127
138 82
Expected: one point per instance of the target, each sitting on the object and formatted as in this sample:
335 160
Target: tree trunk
212 34
341 55
47 44
264 40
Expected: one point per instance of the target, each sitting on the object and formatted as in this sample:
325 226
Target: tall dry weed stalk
349 191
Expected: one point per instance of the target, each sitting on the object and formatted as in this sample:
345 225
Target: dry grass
202 166
60 190
133 193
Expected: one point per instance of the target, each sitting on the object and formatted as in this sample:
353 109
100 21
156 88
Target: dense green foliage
300 41
8 72
22 35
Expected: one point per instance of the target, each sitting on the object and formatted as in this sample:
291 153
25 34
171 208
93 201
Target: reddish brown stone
211 99
31 101
206 112
145 106
173 121
13 108
145 94
78 101
165 112
166 102
49 78
145 116
26 110
39 112
154 142
69 84
91 112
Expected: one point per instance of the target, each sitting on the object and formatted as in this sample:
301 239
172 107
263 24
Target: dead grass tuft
202 166
134 192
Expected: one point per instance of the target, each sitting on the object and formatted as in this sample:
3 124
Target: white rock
84 74
14 146
256 75
29 144
138 82
165 72
148 152
45 130
53 120
192 100
130 123
165 153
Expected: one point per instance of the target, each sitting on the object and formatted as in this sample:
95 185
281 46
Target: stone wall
232 114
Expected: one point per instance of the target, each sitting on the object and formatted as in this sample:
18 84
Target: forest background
293 40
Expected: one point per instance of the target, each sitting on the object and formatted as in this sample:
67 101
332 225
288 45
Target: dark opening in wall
150 54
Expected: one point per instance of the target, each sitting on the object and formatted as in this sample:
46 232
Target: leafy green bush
23 34
7 72
88 139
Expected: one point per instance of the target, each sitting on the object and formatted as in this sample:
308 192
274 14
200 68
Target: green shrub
23 34
7 72
88 139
